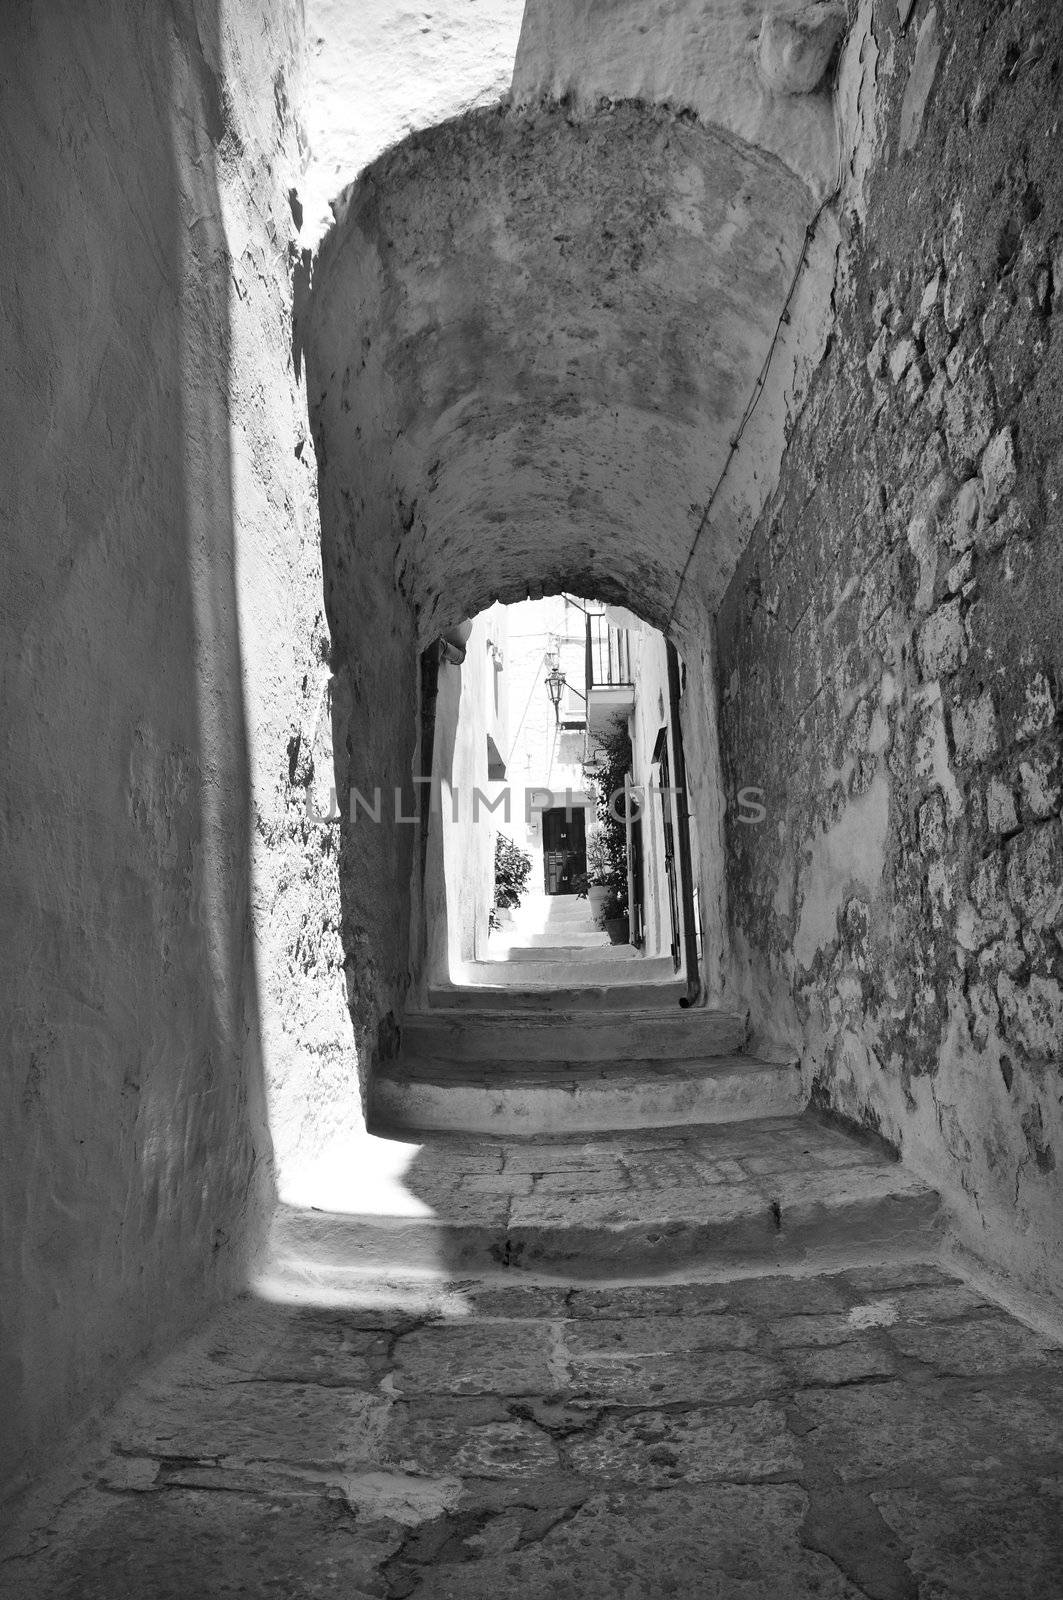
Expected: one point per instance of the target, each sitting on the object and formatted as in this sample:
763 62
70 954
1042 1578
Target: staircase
548 930
552 940
577 1067
600 1127
585 1047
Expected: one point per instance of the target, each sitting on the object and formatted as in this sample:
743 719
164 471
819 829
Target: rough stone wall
891 648
153 506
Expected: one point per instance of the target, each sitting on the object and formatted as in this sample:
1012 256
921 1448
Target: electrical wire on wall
761 379
524 714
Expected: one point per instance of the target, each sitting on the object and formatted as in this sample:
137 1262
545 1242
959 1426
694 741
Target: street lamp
555 688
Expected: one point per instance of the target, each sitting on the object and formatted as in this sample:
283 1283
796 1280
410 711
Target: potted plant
607 850
512 869
597 874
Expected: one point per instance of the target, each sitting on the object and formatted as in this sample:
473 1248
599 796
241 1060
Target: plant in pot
609 842
512 870
597 875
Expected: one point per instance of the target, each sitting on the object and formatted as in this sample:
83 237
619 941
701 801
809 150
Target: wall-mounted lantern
555 688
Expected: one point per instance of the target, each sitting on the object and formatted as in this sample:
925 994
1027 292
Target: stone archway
531 343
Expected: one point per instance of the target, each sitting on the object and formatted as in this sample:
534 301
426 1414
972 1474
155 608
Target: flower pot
597 895
617 929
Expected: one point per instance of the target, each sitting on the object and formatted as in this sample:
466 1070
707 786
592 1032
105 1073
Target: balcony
610 686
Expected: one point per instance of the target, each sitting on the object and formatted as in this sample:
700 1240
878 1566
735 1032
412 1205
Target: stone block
920 80
931 296
1041 784
1032 1015
935 395
975 624
961 519
954 361
858 728
1011 524
922 542
940 643
914 386
902 355
974 730
854 1362
1000 807
936 339
656 1447
1039 707
1035 874
969 415
1036 947
956 303
932 825
939 887
876 356
929 745
959 574
1004 955
995 317
974 1348
998 470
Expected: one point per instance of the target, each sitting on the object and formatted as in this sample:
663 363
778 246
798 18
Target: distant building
518 738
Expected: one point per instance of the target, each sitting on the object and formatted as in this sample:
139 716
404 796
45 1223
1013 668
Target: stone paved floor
879 1432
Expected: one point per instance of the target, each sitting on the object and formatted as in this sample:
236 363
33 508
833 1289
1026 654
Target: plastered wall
155 537
460 858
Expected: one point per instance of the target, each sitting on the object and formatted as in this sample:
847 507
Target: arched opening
530 344
561 845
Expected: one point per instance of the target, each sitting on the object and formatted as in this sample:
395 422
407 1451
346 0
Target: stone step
605 967
780 1194
563 953
564 920
570 910
561 932
566 938
610 1036
584 997
571 907
410 1097
565 932
550 905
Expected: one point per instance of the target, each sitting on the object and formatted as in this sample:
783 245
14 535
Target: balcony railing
608 654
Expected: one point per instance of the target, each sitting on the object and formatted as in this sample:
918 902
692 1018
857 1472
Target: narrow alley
531 855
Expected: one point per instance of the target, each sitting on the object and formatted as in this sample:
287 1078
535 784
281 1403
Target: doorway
564 849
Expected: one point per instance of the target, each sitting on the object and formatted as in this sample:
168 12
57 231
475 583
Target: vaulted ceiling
535 329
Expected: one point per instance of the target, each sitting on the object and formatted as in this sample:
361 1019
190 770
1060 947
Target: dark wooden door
564 849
